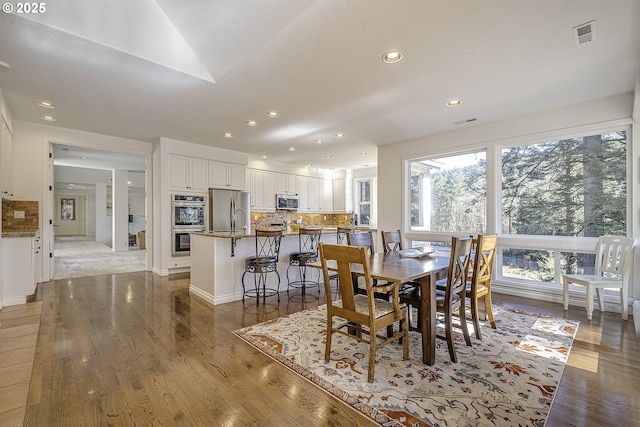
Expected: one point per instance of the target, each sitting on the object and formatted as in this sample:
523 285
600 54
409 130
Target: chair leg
372 355
624 303
327 348
488 308
278 287
404 326
589 303
448 328
475 317
463 325
600 300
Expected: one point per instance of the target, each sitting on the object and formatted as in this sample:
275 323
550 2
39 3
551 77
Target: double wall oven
188 214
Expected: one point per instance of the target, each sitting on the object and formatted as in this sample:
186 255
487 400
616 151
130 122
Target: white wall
616 110
31 154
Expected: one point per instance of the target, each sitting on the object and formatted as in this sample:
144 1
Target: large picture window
570 187
449 193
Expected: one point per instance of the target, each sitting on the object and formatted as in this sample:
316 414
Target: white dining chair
614 258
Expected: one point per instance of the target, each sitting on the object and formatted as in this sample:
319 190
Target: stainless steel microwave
287 202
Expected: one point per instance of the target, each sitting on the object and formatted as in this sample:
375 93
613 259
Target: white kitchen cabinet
315 195
262 187
303 194
342 195
188 173
286 183
326 196
226 175
18 269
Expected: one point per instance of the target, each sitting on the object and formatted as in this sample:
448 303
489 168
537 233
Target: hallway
81 256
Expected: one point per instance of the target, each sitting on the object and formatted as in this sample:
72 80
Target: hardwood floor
136 348
18 335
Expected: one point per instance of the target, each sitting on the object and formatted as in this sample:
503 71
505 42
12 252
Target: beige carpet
509 378
81 257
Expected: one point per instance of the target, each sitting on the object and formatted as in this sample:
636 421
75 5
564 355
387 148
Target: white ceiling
192 70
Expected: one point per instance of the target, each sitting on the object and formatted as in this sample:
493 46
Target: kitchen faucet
232 215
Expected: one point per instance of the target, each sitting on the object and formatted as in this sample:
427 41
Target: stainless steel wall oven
188 213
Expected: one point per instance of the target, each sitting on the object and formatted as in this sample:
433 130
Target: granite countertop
238 234
19 234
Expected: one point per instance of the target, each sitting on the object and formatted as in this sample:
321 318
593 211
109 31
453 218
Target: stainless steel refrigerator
229 210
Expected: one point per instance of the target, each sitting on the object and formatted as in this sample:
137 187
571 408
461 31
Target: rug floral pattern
509 378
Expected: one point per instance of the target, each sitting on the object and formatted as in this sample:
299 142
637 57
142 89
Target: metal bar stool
308 238
264 262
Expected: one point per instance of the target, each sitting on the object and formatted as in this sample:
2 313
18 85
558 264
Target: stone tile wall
262 219
30 222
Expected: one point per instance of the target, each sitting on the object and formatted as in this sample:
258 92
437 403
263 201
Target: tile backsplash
20 216
262 219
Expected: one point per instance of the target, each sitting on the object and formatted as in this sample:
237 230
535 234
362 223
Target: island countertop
239 234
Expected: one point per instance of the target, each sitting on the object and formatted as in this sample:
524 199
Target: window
364 201
546 193
448 194
570 187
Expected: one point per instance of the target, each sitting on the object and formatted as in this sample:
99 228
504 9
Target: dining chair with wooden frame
361 315
450 301
479 288
391 240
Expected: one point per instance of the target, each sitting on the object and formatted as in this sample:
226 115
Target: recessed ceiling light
264 156
292 149
4 65
128 182
454 102
84 157
273 114
48 118
319 141
251 123
391 57
46 104
340 135
227 135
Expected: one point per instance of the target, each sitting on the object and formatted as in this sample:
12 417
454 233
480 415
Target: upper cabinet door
187 173
226 175
198 174
237 176
286 183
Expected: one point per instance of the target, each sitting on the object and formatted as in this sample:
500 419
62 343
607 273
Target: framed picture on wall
67 209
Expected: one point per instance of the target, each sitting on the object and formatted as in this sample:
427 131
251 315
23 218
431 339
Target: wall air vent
585 33
462 122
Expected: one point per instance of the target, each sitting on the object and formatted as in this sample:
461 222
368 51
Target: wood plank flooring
18 334
138 349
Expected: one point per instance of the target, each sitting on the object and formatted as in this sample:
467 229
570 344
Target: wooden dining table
391 266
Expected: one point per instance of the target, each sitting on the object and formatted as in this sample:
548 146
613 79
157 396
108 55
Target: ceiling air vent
461 122
585 33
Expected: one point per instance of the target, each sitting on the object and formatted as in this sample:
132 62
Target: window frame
558 244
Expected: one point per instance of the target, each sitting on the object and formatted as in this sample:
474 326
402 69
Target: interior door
51 220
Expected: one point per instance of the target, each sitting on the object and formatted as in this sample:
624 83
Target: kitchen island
216 276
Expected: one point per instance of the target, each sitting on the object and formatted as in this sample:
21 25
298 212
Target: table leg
428 318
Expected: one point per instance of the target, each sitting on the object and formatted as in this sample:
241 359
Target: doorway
81 232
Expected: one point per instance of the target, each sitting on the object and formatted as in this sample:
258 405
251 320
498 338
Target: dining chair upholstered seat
612 270
308 239
264 261
450 301
361 316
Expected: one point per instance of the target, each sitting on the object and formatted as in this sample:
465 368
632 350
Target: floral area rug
509 378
